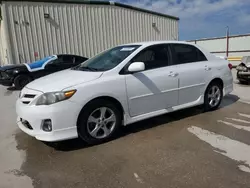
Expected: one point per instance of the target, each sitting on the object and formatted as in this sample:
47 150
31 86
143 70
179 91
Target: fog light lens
47 125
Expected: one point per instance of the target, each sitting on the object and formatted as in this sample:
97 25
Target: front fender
113 87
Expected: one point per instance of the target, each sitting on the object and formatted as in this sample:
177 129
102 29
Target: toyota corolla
120 86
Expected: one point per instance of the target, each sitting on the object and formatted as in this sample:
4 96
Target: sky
202 18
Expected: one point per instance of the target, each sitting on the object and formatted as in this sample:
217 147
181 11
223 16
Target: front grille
29 96
26 124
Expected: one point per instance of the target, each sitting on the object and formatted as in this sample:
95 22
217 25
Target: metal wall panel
238 45
79 28
213 45
3 59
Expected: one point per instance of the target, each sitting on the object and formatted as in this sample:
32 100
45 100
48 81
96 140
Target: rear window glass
188 53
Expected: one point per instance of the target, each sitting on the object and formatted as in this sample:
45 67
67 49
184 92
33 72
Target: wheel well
106 98
217 80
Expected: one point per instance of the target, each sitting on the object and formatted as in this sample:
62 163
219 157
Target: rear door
193 70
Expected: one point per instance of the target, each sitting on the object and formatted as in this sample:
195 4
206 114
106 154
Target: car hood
63 79
245 65
9 67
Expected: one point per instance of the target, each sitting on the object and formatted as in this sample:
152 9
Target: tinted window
56 61
59 60
187 53
67 59
79 59
153 57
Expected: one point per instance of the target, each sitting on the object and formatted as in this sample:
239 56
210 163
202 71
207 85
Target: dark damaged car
21 74
243 70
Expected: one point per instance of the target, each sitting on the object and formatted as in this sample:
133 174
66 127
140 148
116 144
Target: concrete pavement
182 149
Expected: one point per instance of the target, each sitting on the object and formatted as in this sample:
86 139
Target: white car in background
120 86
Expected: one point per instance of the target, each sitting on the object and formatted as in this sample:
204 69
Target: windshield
107 60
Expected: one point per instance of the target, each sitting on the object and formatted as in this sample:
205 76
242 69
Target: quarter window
153 57
188 53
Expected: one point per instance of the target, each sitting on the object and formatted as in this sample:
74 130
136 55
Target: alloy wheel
101 122
214 96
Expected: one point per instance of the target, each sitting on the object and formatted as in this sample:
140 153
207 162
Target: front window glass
153 57
108 59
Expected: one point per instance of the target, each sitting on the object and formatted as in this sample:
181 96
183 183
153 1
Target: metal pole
227 41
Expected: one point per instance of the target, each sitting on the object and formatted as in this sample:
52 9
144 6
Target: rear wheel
21 80
213 96
99 121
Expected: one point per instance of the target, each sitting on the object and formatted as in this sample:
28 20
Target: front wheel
99 122
213 96
21 80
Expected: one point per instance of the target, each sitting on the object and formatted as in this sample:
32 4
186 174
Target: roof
149 43
159 42
94 2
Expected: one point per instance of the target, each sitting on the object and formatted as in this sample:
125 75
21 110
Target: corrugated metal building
237 46
32 30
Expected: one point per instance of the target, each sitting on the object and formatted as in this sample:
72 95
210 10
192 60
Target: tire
243 82
21 80
217 98
90 119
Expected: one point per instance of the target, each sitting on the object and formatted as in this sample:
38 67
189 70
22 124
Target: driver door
156 88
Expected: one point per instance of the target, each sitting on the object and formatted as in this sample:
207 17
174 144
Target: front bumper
63 116
242 75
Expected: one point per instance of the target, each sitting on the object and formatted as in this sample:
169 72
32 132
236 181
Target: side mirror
136 67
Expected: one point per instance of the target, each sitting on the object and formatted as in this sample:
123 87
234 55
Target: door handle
207 68
173 74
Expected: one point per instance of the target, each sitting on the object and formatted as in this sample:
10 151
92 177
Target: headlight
54 97
5 75
241 68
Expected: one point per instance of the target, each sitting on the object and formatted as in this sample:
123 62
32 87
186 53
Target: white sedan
120 86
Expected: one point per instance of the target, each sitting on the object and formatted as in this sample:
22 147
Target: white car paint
151 91
142 95
62 80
